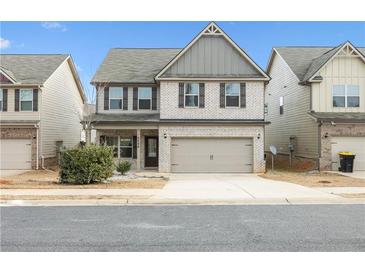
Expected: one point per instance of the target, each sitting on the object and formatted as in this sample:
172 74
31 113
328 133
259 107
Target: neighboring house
41 107
196 109
316 102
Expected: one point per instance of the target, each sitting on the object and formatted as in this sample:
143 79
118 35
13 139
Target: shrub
123 167
86 165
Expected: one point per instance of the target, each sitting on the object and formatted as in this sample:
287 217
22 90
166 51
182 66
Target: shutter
201 95
134 147
243 95
125 98
222 95
154 98
135 98
35 99
106 98
5 100
181 95
16 100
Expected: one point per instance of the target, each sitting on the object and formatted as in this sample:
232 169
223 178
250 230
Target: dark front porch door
151 151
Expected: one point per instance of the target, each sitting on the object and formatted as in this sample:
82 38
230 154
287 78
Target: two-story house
316 103
41 107
195 109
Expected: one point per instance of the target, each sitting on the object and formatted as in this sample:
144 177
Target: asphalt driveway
234 187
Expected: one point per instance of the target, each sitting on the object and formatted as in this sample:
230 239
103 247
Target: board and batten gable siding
170 109
12 115
211 56
295 120
100 102
61 111
340 71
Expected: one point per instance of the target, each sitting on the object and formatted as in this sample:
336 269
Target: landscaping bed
314 179
48 179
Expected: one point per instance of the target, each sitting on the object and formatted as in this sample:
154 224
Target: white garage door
351 144
211 155
15 154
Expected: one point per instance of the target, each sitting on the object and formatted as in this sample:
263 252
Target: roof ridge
145 48
55 54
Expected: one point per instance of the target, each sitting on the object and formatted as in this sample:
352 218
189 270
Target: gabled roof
139 65
305 61
32 69
213 30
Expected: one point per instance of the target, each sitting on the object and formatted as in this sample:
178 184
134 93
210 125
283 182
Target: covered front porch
139 145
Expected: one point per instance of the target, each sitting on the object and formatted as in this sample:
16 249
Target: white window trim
225 96
144 99
346 86
20 99
2 99
110 98
119 146
185 106
281 104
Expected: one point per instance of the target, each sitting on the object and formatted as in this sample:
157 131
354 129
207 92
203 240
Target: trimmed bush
123 167
86 165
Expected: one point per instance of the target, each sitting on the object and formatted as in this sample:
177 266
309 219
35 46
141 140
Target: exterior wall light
326 135
258 136
165 135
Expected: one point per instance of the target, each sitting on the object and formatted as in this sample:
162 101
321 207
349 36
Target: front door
151 151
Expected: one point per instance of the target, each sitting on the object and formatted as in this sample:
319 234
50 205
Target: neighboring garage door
351 144
15 154
211 155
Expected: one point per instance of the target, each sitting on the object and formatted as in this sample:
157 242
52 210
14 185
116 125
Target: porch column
138 149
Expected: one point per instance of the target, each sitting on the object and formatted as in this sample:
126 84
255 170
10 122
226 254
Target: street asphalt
184 228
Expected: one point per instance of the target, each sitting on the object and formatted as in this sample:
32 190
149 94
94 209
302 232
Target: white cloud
54 25
4 43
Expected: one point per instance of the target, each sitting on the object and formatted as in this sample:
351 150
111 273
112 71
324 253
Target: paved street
184 228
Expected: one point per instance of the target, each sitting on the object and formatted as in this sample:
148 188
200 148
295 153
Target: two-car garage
212 155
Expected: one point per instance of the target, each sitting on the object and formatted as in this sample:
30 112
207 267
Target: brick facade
22 133
348 130
211 131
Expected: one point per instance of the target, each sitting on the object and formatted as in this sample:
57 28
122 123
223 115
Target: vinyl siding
341 70
100 103
61 111
12 115
295 121
170 106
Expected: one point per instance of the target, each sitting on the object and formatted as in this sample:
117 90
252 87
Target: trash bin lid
346 153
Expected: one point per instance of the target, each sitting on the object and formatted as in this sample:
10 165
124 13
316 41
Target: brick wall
169 108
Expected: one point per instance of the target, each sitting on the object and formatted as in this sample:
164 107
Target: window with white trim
26 100
122 146
116 97
281 105
191 94
1 99
232 93
144 98
346 96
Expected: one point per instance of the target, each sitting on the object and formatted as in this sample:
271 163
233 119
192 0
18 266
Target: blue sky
89 42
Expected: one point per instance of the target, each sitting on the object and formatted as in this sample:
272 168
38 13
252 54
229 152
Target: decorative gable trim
347 49
212 29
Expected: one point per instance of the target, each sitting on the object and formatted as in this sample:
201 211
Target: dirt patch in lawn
48 179
314 179
352 195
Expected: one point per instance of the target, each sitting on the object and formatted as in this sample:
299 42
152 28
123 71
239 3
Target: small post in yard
273 152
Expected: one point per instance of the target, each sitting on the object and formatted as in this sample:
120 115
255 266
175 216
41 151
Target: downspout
37 159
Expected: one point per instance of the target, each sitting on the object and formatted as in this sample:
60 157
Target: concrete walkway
341 190
11 172
355 174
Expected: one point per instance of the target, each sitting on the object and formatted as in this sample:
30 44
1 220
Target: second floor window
345 96
1 100
26 99
281 105
191 95
144 98
232 95
116 97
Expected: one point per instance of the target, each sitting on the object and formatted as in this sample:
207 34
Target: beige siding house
316 105
42 103
195 109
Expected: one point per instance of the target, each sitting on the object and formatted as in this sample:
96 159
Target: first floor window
232 94
116 97
26 99
191 94
125 147
1 99
346 96
281 105
144 97
112 141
